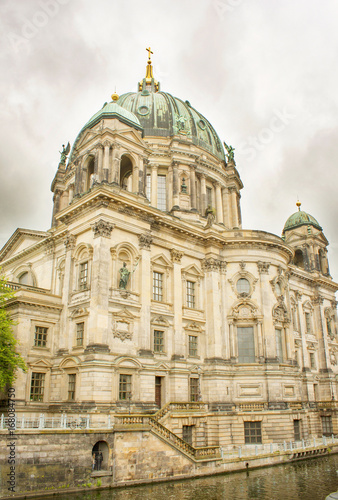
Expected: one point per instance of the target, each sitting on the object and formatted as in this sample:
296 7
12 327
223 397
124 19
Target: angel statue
230 151
64 153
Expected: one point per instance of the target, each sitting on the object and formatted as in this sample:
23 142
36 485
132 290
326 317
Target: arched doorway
126 171
100 454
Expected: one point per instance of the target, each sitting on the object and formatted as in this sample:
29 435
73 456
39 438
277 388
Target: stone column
260 346
106 161
71 193
203 194
78 176
224 307
98 320
179 340
193 202
99 163
145 241
153 194
176 187
66 340
56 205
211 268
170 187
226 211
116 165
135 179
233 351
233 194
219 208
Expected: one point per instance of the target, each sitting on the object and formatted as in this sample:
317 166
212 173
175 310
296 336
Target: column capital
145 240
107 144
263 267
102 228
176 255
70 241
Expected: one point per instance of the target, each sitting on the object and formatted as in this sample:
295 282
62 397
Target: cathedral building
146 290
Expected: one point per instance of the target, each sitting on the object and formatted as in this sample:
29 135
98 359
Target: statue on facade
210 215
230 151
124 275
64 153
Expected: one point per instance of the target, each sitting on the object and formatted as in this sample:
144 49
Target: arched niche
126 173
90 176
25 276
298 259
100 456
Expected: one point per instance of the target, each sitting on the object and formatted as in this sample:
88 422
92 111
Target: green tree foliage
10 360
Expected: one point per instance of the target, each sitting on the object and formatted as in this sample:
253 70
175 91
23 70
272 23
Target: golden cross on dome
149 52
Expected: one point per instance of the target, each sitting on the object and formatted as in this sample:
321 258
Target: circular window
243 286
202 124
143 110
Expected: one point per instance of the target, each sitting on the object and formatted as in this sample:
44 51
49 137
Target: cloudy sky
264 72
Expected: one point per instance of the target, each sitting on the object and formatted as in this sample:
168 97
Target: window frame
192 345
125 387
44 339
162 201
242 327
71 387
158 347
158 297
327 425
83 283
253 432
77 324
194 389
191 298
41 386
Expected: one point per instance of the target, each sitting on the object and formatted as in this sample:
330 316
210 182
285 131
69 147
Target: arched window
100 456
126 171
24 278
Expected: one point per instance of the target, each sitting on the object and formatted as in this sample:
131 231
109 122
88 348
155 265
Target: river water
311 479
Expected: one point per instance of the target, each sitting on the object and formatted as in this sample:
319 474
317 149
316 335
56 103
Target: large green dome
301 218
164 115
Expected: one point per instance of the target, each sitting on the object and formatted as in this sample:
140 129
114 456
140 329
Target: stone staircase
152 423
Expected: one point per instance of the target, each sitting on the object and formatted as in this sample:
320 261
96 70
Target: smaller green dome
114 110
301 218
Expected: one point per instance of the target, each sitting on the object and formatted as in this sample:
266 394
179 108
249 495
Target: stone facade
146 290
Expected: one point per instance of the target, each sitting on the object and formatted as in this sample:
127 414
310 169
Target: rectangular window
312 361
79 333
157 286
190 294
192 345
40 337
71 386
161 192
194 389
296 428
327 425
246 345
83 276
148 187
308 322
158 341
37 386
253 432
279 344
125 387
